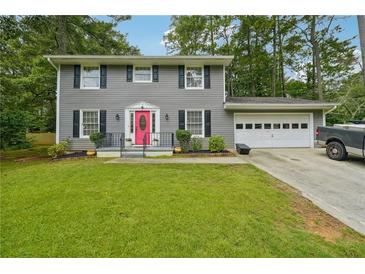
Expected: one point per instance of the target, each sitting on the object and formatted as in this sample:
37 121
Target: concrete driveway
336 187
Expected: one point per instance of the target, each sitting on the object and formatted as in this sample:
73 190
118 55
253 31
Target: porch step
132 154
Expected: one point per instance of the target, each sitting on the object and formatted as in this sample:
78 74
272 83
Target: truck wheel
336 151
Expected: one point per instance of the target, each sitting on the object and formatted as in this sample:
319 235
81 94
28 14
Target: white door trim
310 114
127 125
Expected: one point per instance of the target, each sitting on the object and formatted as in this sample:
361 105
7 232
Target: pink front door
142 126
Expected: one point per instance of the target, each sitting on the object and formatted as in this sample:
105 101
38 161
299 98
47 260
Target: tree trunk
281 62
274 59
61 34
252 82
212 46
361 24
316 60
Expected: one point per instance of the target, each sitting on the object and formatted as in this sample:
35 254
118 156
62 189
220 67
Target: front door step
132 154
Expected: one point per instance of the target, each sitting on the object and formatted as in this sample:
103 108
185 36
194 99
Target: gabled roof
275 103
141 59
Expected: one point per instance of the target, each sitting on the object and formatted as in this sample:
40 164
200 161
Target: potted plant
155 142
128 142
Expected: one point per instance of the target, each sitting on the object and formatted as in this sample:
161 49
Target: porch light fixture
117 117
166 117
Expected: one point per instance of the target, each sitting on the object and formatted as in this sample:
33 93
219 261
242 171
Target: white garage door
273 130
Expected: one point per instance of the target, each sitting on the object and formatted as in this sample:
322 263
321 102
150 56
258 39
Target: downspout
57 100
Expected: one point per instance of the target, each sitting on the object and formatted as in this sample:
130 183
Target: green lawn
85 208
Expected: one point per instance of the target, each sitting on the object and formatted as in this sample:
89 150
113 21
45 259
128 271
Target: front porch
115 144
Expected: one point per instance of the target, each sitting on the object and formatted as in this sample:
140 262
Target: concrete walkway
175 160
336 187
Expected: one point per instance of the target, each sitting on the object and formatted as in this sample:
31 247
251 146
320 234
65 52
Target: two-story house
145 99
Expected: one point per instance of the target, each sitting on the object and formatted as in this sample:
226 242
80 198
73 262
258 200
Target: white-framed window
194 77
142 74
90 77
194 122
90 122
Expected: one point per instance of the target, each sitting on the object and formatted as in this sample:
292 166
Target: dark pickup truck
340 140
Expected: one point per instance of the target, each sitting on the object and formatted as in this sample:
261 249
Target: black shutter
129 73
77 76
181 76
103 76
155 70
206 77
103 121
207 123
181 119
76 124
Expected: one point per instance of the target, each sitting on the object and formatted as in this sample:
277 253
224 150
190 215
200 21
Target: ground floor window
90 122
194 122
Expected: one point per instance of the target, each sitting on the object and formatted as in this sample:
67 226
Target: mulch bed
73 155
205 153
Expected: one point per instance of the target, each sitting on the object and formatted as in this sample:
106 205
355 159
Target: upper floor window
91 77
142 74
194 77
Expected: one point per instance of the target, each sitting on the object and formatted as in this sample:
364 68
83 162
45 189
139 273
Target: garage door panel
281 130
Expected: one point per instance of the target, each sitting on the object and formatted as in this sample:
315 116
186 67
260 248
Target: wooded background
296 56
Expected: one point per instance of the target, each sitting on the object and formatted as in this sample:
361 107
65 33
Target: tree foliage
28 81
297 56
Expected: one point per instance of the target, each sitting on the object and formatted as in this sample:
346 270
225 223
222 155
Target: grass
85 208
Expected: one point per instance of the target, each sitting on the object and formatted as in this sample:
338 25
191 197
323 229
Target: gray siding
165 94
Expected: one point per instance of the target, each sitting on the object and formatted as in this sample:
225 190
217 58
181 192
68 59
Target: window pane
276 126
132 122
90 122
286 126
194 77
258 126
267 126
295 126
91 71
194 122
304 125
153 122
90 77
143 74
239 126
248 126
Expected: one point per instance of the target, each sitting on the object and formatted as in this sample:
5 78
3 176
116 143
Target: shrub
196 144
216 143
13 128
183 136
97 138
58 150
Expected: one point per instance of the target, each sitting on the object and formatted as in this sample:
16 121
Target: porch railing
112 139
158 140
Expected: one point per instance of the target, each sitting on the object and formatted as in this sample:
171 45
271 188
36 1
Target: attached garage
275 122
274 129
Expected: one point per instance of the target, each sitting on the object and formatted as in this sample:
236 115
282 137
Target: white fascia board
237 106
148 60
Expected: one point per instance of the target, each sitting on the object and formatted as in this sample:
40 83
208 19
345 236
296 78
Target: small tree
184 137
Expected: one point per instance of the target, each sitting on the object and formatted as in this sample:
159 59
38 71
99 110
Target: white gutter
238 106
57 99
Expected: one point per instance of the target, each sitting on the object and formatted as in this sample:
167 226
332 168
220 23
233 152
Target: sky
146 32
